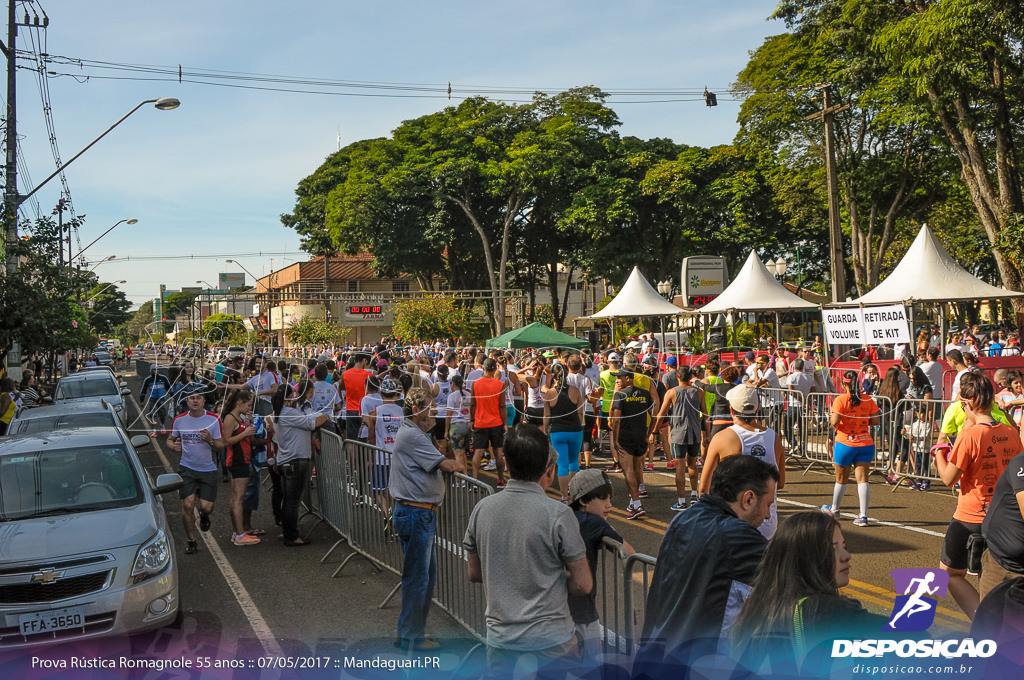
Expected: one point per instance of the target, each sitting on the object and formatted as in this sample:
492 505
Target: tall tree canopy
954 67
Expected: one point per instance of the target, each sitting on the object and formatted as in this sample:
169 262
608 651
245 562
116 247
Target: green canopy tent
536 336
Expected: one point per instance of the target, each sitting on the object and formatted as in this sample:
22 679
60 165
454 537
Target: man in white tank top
746 437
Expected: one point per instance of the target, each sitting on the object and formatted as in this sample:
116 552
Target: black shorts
488 436
954 547
588 429
438 431
687 451
535 416
240 470
203 484
634 449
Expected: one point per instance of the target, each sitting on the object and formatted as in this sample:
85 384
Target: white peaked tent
927 273
755 290
638 298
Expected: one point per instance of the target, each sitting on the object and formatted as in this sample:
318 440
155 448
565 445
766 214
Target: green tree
107 308
37 302
315 330
430 318
225 329
179 304
958 63
135 327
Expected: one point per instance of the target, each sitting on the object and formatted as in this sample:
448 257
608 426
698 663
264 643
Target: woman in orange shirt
853 416
981 453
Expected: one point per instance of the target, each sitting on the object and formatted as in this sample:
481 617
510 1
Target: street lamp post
12 199
128 220
108 258
255 279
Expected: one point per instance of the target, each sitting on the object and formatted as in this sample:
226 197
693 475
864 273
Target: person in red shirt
981 453
354 378
487 415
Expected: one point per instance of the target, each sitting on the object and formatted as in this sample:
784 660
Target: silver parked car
78 413
93 386
86 550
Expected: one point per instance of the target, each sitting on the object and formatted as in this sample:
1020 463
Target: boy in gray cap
590 497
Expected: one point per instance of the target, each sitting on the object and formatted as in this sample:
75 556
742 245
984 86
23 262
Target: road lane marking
252 613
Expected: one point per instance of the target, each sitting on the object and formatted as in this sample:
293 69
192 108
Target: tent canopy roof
638 298
755 290
927 273
536 336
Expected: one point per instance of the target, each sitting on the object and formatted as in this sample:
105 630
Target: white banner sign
866 325
843 326
886 325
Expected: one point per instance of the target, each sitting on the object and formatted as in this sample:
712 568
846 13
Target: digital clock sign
365 309
699 300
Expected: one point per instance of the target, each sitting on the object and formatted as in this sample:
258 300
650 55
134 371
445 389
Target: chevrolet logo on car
47 576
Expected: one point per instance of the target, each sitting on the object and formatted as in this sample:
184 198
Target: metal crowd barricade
353 499
914 430
781 409
609 580
454 593
638 571
817 433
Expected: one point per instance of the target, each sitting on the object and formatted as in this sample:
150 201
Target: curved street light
109 285
108 258
254 277
131 220
163 104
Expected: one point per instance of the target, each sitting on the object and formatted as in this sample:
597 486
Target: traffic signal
710 99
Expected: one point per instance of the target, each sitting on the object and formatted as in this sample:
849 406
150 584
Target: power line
88 69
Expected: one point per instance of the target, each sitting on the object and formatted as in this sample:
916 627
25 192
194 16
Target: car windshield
77 389
66 481
42 425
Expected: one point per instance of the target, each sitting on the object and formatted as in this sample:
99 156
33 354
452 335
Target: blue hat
671 361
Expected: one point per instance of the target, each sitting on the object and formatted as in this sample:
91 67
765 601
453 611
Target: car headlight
152 558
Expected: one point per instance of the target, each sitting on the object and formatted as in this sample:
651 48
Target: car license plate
48 622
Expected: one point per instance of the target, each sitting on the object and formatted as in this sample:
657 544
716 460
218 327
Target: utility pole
835 231
10 214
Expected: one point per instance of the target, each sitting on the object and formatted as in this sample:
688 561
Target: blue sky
213 176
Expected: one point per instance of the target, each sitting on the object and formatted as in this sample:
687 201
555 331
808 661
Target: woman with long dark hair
238 429
563 422
853 417
795 604
293 430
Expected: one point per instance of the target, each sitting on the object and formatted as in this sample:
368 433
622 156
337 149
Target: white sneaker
490 465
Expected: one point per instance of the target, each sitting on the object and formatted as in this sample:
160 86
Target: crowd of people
730 575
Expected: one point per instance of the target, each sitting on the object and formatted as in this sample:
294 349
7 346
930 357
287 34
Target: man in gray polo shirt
417 485
523 563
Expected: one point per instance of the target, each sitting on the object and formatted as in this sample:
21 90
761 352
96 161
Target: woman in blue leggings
563 421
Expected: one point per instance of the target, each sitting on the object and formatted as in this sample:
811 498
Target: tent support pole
735 343
942 329
679 347
778 329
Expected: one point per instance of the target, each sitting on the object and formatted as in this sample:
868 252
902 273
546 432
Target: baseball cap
389 386
613 357
749 356
743 399
651 360
671 361
622 372
584 482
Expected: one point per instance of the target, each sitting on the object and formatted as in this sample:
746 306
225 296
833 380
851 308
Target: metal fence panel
914 430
